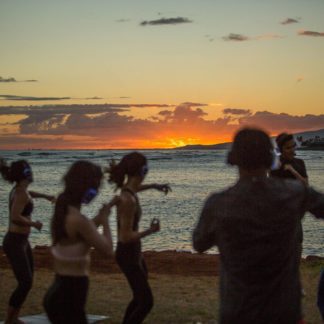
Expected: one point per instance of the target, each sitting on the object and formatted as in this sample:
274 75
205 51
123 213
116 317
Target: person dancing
133 168
73 234
15 243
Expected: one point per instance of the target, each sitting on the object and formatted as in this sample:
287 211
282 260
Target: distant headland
310 140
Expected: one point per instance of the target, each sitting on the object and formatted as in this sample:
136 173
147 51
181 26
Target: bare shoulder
75 220
21 195
126 199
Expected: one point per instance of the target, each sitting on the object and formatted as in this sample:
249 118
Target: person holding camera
128 176
290 167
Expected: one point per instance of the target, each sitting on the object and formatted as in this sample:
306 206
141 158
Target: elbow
198 247
202 243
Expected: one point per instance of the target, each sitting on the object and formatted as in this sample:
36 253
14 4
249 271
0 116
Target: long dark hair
130 165
81 176
16 171
251 149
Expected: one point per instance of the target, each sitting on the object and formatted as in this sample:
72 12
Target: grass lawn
178 299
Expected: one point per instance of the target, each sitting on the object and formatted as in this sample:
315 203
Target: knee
26 285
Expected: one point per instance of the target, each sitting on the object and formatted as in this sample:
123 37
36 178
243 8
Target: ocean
192 175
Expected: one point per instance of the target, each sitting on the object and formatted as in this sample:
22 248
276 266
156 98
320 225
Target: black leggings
130 261
65 300
19 253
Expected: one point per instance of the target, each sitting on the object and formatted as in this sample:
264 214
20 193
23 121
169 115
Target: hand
51 199
164 187
155 225
104 212
289 167
38 225
114 201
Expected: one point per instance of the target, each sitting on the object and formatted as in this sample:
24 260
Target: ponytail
5 171
16 172
117 173
58 220
130 165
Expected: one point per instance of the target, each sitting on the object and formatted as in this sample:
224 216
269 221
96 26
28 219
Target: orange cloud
114 128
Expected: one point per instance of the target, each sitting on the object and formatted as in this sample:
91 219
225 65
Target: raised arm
105 210
296 174
88 231
205 234
35 194
160 187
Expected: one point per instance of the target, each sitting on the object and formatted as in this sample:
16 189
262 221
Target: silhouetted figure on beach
290 167
128 176
255 226
15 243
73 234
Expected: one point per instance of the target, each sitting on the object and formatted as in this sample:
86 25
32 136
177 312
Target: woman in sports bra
15 243
73 234
128 254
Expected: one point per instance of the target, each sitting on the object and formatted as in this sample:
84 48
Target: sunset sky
157 74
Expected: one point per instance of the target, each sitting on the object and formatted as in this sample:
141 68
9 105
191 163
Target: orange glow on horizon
87 143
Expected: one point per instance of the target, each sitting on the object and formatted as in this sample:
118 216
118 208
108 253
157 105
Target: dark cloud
242 38
7 80
236 111
110 125
94 98
25 98
166 113
290 21
166 21
51 110
183 113
236 37
310 33
194 104
279 122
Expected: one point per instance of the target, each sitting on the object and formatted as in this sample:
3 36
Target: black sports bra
28 209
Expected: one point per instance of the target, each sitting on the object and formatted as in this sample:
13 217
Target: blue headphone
27 173
275 159
144 170
89 195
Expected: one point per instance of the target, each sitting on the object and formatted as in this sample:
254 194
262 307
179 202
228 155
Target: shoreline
169 262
